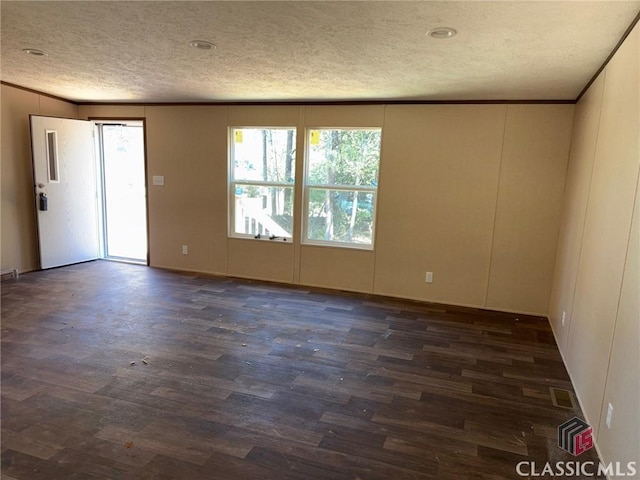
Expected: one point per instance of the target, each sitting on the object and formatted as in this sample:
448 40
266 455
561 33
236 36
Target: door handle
44 202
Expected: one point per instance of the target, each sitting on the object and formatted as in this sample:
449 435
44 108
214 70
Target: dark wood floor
236 379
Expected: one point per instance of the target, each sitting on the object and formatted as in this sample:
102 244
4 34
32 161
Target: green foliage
345 157
252 191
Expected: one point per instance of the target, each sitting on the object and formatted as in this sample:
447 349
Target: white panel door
65 172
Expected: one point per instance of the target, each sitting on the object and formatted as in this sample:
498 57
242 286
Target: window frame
307 187
232 182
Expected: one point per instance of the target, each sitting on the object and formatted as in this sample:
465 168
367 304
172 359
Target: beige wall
19 241
596 278
438 191
534 158
469 192
583 147
111 111
188 147
620 442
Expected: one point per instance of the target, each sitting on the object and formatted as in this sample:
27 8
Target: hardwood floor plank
23 442
238 379
23 466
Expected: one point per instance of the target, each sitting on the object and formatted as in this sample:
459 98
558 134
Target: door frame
99 169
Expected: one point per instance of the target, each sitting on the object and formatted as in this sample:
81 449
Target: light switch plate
609 415
158 180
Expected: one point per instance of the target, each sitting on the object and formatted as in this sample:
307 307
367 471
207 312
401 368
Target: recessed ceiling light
34 51
442 32
202 45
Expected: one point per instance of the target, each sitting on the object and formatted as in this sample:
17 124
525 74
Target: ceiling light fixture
202 45
442 32
35 52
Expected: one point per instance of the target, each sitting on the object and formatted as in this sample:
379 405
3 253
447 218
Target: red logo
575 436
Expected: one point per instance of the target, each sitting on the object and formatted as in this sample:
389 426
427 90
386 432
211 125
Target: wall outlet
185 249
609 415
428 277
158 180
564 314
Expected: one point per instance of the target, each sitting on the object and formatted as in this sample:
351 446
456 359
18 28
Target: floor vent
562 398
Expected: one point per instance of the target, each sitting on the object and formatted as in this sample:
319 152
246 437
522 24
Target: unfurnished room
309 240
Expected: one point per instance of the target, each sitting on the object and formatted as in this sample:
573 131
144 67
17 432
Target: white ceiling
138 51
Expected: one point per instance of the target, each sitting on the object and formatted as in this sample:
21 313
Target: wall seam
495 210
298 193
375 253
226 253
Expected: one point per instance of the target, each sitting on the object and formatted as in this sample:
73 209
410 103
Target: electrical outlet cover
158 180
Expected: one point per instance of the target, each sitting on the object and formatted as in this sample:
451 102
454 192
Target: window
340 186
52 156
262 171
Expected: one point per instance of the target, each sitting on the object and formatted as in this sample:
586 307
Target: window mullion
258 183
345 188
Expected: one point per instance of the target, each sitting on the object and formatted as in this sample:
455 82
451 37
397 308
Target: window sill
285 240
349 246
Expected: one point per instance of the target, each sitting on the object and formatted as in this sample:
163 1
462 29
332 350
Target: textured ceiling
309 50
